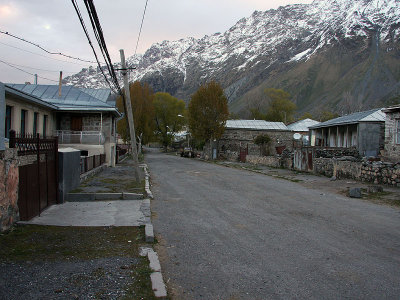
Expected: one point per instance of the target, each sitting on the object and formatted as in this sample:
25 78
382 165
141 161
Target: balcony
80 137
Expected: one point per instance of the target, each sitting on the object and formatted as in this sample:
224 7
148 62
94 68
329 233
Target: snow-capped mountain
326 53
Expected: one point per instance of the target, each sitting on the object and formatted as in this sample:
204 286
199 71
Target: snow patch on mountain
288 34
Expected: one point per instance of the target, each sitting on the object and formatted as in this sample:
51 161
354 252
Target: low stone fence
9 178
328 163
276 161
381 172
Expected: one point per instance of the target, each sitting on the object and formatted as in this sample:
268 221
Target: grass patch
141 286
34 242
77 190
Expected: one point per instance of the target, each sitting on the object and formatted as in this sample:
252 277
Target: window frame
8 121
22 129
44 131
35 123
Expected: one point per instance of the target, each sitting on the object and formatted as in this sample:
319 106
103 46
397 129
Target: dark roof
71 97
392 108
374 115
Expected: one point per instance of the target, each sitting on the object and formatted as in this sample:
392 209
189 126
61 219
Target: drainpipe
101 127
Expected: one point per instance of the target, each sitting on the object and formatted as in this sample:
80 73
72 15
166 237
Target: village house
83 119
363 131
302 129
27 114
239 136
392 133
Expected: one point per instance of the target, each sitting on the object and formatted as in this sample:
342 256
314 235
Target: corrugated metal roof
302 125
101 94
255 125
70 96
374 115
28 97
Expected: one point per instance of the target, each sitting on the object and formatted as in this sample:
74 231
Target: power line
45 50
141 25
66 61
40 69
12 66
75 4
98 31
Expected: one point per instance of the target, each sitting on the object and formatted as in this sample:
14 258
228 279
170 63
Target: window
23 121
44 125
397 133
35 122
8 122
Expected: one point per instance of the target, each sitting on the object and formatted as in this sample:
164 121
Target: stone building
363 131
392 133
83 119
240 134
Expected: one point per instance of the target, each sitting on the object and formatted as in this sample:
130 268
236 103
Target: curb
157 282
156 278
85 197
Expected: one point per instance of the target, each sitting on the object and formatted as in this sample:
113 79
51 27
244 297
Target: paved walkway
105 212
95 213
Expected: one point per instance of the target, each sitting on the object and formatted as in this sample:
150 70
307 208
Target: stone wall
381 172
323 166
275 161
9 178
90 122
363 170
271 161
392 150
233 140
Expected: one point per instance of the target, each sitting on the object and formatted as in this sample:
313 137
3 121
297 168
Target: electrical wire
75 4
141 25
66 61
98 31
45 50
40 69
12 66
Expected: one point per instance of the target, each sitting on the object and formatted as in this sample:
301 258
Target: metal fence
91 162
80 137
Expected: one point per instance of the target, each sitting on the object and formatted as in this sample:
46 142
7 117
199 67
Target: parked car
187 152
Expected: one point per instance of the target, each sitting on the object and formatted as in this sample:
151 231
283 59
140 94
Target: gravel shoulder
49 262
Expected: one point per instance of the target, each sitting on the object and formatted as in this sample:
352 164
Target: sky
54 25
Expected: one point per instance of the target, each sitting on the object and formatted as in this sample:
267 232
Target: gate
243 154
38 181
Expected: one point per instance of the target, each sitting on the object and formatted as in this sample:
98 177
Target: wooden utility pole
130 117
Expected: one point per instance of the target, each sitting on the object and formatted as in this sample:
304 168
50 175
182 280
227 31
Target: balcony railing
80 137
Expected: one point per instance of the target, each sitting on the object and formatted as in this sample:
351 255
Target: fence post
12 139
56 167
38 167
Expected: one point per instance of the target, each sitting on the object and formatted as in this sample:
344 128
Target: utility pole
130 117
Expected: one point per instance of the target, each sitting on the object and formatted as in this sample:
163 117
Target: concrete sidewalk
96 213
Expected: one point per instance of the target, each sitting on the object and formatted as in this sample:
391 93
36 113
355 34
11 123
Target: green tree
306 115
281 108
256 114
263 140
169 117
142 98
327 115
208 112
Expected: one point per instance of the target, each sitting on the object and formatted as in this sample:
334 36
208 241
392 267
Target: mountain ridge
292 47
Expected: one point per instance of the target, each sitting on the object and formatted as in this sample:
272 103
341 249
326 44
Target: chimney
59 85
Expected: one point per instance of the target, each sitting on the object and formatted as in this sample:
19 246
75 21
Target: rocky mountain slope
342 55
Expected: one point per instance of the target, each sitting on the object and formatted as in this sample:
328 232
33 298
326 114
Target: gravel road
232 234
